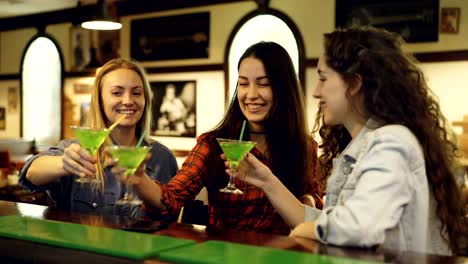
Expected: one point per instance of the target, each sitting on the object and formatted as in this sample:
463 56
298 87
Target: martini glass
129 158
90 139
235 151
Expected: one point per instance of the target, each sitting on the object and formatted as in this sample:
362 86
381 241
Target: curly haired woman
386 153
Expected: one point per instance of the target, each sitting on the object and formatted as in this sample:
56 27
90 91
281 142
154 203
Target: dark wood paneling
439 56
180 153
124 8
85 73
9 76
187 68
131 7
149 70
443 56
311 63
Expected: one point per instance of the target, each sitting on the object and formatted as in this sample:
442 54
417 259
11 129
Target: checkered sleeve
187 183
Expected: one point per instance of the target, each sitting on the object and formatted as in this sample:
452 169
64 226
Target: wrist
61 167
270 184
141 181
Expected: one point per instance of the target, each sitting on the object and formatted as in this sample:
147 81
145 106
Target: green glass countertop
227 253
101 240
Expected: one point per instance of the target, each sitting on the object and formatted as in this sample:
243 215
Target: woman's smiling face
254 92
123 93
331 91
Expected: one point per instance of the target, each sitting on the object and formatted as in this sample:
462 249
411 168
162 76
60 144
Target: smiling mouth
254 107
126 112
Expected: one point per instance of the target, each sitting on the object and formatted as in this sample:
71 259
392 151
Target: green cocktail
129 158
90 139
235 151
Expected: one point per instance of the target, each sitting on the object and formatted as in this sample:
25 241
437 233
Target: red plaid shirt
251 211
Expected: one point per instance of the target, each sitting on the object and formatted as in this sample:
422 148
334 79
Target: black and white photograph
174 108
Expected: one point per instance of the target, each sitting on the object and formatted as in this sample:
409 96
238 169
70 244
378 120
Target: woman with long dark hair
270 99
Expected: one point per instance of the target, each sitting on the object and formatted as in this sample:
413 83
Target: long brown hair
395 92
97 117
288 135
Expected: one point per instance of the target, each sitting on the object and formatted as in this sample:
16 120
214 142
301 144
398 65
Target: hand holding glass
90 139
235 151
130 159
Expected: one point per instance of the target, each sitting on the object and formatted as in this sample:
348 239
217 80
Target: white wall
449 82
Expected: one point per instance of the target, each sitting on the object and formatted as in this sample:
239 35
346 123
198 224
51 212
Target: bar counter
22 251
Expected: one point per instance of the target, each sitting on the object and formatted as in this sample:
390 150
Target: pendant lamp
103 18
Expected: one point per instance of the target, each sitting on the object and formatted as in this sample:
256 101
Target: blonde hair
98 119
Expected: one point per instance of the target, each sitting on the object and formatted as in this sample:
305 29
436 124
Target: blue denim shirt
70 195
378 195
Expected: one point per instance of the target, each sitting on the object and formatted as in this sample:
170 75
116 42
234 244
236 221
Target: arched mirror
269 25
41 86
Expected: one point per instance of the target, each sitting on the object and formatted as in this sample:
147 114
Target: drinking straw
117 122
242 130
141 138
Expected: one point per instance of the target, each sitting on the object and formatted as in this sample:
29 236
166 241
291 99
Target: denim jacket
70 195
378 195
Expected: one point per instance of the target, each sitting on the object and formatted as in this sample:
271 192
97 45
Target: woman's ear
356 85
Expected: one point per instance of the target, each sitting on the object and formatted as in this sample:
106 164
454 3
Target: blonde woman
120 88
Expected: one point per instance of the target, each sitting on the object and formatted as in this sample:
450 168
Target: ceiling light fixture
104 18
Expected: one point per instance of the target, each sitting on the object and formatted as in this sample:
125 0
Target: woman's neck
261 142
256 128
354 124
124 136
258 134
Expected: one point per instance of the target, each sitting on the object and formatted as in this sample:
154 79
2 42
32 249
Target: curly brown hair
395 92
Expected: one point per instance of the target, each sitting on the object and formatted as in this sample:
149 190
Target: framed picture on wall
414 20
80 44
450 20
12 100
108 45
2 118
82 88
171 37
174 108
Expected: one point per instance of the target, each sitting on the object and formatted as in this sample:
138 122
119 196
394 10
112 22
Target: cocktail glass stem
129 196
231 186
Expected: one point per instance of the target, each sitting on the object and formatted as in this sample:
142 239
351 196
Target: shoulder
206 145
395 136
156 146
395 132
60 146
208 137
158 149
